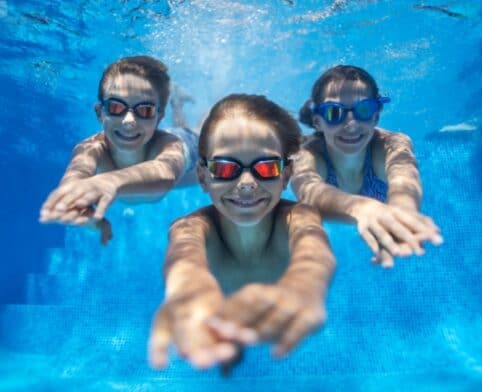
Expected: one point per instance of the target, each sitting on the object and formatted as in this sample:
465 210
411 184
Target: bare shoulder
96 143
198 223
310 159
385 140
388 148
297 213
164 142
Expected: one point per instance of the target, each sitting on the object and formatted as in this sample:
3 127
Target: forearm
312 262
404 184
406 196
147 179
331 202
180 282
187 258
86 158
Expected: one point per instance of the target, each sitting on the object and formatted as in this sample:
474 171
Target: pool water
75 315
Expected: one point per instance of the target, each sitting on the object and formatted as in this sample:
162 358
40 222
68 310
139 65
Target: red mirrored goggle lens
224 170
116 108
268 169
145 111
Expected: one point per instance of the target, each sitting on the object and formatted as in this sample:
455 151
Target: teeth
246 203
127 137
351 139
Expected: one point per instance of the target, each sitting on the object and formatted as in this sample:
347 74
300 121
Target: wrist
404 202
358 205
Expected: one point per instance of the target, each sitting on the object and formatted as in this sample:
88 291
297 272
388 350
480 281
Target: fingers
106 231
385 240
200 346
422 226
102 206
159 340
248 305
370 240
299 327
231 331
402 234
272 326
386 259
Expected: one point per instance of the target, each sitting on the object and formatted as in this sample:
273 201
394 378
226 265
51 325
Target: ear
98 111
202 176
317 122
376 117
287 171
160 115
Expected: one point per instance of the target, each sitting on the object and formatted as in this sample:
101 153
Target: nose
129 118
350 121
247 182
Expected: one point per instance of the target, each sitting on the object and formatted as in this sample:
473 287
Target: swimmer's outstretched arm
81 188
192 296
396 160
293 307
383 227
84 162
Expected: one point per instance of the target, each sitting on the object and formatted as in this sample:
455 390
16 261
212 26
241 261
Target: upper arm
86 158
308 167
168 149
187 239
304 225
400 166
311 253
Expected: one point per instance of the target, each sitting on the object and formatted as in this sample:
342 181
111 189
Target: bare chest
233 273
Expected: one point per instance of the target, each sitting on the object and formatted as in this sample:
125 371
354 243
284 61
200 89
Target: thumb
160 339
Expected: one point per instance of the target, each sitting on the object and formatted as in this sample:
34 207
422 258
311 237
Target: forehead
243 137
129 86
346 89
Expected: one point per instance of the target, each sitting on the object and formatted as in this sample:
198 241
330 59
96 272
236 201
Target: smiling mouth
246 203
127 138
351 140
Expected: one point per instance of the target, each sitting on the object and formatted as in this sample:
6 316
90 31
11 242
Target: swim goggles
225 168
334 113
117 107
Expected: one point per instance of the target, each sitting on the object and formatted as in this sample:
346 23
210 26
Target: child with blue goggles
352 170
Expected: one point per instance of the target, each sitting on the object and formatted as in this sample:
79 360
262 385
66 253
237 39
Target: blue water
75 315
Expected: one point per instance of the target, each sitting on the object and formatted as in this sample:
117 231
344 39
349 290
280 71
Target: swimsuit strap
372 186
330 169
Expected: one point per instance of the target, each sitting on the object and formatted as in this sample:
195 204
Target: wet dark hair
259 107
336 74
143 66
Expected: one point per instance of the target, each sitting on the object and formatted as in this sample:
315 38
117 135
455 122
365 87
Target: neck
347 163
124 159
245 243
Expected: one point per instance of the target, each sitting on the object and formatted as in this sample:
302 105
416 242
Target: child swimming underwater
270 255
130 158
349 167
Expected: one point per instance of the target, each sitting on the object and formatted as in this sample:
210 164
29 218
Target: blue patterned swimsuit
372 186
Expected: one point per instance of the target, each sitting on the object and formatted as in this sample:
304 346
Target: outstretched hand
80 217
391 231
65 204
182 321
275 313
